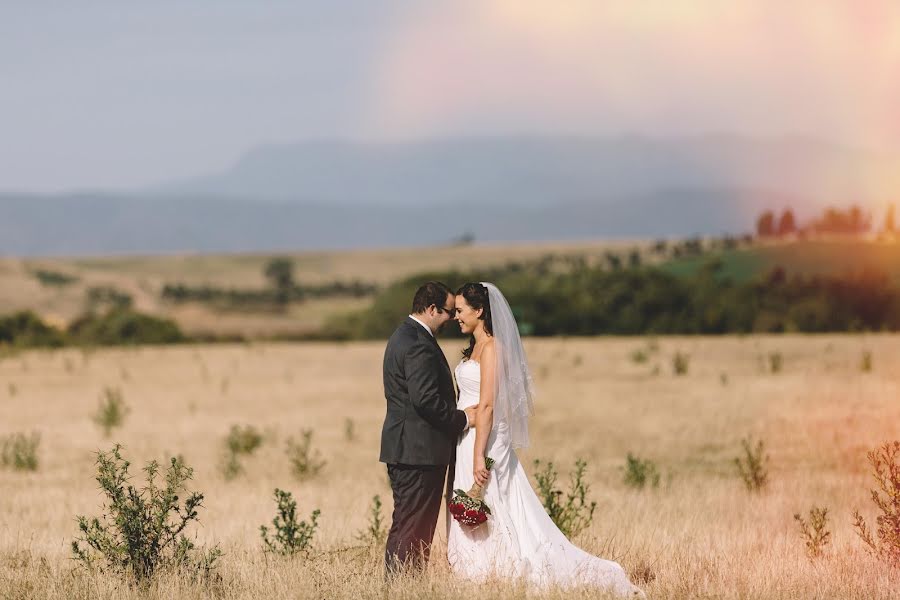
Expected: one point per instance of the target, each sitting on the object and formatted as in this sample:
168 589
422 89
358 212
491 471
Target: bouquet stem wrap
469 508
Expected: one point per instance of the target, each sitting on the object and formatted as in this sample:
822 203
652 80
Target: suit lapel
433 339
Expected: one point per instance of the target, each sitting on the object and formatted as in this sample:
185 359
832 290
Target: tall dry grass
699 535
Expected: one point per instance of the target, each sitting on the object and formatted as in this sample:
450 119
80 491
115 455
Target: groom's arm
422 365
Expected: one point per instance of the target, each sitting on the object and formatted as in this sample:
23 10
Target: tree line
852 221
647 300
282 289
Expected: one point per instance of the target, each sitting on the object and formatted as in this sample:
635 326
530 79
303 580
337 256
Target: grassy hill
837 257
58 289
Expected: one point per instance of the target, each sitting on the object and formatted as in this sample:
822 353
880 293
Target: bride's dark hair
476 296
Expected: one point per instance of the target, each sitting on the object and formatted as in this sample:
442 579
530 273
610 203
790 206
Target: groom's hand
470 414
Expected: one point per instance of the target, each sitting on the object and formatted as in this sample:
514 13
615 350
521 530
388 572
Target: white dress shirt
427 328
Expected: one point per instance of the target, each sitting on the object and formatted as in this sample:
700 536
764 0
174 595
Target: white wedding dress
519 540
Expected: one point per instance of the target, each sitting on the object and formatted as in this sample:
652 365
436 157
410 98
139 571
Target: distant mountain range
351 195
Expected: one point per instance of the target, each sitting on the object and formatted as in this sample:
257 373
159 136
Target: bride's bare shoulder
487 352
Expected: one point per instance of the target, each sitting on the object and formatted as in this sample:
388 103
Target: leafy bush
140 531
884 542
639 356
291 536
815 532
639 473
112 410
376 532
25 329
19 451
573 514
54 278
680 363
122 326
240 441
753 467
305 462
865 364
107 297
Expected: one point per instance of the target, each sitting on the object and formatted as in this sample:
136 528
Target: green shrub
140 531
54 278
305 462
19 451
753 467
112 410
25 329
680 363
240 441
290 536
376 532
639 356
865 363
639 473
815 532
884 542
123 326
573 514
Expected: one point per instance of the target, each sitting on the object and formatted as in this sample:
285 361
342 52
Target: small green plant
753 466
112 410
815 531
639 356
776 362
573 514
680 363
639 473
140 531
883 543
240 441
349 430
305 462
19 451
290 536
375 532
865 363
54 278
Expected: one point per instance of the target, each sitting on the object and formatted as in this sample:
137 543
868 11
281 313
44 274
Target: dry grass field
699 535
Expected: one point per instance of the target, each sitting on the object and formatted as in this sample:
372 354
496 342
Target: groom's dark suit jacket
422 423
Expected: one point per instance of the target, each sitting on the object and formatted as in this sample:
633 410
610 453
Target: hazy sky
115 95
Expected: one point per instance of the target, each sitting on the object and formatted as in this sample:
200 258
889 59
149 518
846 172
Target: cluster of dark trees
853 221
283 289
118 326
594 301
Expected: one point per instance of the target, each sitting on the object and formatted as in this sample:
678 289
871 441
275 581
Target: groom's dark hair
433 292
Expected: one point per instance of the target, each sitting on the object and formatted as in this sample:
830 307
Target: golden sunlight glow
753 67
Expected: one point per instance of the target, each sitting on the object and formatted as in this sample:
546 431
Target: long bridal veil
514 389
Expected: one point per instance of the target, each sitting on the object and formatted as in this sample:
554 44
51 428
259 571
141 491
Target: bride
519 540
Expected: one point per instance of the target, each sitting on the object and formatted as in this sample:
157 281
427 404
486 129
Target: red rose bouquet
469 508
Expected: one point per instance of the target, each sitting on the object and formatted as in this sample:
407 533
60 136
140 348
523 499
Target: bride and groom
428 428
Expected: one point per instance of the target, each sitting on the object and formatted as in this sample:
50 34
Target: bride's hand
480 471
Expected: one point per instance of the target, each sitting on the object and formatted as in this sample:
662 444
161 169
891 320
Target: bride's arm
484 416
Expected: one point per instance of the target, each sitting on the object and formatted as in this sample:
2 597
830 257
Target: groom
421 427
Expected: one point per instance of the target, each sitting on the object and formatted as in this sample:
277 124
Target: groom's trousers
417 491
